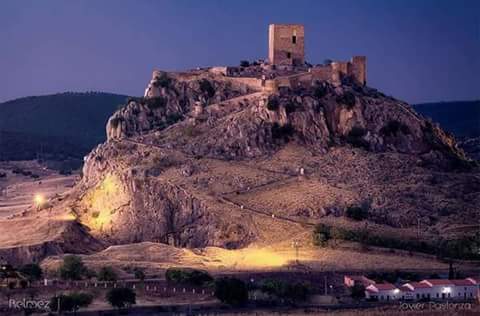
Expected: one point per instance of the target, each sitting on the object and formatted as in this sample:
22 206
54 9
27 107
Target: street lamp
38 200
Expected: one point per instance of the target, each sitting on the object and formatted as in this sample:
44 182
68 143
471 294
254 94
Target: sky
417 50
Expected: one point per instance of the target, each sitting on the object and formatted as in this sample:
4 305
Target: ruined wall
322 73
286 45
359 69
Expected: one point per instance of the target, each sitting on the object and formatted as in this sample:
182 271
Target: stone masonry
286 44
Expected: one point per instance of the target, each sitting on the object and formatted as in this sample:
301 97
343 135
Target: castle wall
322 73
286 44
359 69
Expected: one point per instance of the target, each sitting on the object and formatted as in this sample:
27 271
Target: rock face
173 157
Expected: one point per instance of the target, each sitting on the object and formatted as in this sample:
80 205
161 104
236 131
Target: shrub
155 103
290 107
188 276
320 91
72 268
357 291
244 63
347 99
272 104
327 61
70 302
121 297
162 81
107 274
173 118
355 137
393 127
282 132
207 88
32 271
3 175
139 274
321 235
231 291
285 291
356 213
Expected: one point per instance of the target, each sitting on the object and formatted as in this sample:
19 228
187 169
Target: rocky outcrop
152 183
167 99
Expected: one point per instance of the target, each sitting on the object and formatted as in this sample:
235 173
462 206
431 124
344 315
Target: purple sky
417 50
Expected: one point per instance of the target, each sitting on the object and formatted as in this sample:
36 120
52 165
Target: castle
287 48
286 66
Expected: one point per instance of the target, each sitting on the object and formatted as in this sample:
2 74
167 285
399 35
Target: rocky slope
164 179
206 160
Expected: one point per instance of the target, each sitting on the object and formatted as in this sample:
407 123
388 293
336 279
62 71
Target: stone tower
286 45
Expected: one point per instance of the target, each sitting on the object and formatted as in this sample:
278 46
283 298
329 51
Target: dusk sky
418 51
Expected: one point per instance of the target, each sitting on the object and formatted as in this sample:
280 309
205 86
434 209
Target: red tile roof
419 285
405 288
462 282
384 286
437 282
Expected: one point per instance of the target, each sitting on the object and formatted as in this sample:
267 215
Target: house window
418 296
437 295
448 294
289 55
294 39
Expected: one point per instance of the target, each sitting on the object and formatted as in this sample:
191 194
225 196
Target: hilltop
210 160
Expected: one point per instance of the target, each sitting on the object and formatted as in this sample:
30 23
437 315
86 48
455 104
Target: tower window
289 55
294 39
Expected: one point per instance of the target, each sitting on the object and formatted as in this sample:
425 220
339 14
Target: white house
415 291
382 292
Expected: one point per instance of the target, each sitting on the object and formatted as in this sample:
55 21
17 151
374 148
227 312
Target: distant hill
462 118
58 125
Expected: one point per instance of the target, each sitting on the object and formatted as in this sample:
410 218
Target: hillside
212 161
55 126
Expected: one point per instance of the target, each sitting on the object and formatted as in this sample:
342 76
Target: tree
71 302
356 213
107 274
321 235
358 291
72 268
121 297
139 274
32 271
244 63
231 291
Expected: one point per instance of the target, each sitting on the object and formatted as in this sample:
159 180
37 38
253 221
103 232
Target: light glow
38 200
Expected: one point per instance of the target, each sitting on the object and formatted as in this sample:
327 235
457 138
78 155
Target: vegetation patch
393 128
347 98
155 103
355 137
284 132
188 276
356 213
273 103
163 81
207 88
231 291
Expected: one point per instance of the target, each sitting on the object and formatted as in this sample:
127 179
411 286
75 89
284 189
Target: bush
357 291
173 118
32 271
139 274
121 297
290 107
231 291
207 88
284 132
188 276
393 128
321 234
71 302
320 91
355 137
3 175
244 63
72 268
347 99
356 213
162 81
272 104
107 274
285 291
155 103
